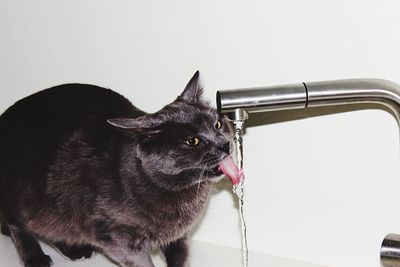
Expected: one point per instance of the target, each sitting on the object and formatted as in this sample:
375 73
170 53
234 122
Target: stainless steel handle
262 99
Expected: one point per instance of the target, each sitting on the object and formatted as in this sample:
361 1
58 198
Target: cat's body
76 177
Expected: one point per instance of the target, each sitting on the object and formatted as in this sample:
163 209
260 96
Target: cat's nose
225 148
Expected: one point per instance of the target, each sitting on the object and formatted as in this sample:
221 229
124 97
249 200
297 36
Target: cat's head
183 143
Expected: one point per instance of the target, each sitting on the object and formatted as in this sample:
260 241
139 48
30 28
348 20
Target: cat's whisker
200 161
199 182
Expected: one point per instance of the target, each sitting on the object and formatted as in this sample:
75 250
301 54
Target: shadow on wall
265 118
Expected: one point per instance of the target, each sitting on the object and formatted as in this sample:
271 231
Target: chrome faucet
239 104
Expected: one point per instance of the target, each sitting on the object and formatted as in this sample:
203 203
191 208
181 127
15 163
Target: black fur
84 170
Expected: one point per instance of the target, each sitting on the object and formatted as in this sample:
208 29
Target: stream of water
239 188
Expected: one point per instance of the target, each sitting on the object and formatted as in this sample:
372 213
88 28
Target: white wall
322 189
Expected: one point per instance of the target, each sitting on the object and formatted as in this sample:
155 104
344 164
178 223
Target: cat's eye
218 125
194 141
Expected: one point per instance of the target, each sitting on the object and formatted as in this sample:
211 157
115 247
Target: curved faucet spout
311 94
240 103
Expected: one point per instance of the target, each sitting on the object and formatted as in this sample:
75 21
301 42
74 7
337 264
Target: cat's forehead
197 113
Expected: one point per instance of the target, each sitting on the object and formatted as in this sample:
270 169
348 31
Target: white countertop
202 254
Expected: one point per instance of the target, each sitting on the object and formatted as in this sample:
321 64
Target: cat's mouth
214 174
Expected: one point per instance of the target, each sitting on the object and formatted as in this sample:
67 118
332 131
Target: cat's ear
143 125
193 89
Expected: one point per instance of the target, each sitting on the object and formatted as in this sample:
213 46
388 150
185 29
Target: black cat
84 170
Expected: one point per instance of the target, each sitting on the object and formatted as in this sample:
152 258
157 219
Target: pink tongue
229 168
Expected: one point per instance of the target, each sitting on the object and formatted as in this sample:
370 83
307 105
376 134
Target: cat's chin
217 178
212 179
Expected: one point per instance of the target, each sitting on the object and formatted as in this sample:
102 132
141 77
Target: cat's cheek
160 164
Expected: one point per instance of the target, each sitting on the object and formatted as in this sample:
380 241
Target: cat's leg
177 253
28 249
75 252
129 258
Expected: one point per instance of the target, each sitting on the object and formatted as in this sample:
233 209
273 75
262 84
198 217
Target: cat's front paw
5 230
75 252
39 261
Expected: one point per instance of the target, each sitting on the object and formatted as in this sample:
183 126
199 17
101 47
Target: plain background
321 189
